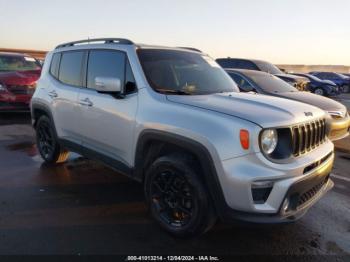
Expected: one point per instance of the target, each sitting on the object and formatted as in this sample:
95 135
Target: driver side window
242 83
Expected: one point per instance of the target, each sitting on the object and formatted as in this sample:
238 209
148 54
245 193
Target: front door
109 121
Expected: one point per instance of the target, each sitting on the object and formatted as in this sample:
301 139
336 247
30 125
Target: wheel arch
152 142
38 110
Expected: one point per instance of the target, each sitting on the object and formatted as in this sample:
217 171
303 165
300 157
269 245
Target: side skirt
115 164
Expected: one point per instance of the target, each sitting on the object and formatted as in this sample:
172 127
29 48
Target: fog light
285 206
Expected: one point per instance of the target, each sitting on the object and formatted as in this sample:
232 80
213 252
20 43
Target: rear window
236 63
71 68
227 63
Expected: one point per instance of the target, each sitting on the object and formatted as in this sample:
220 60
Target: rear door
109 121
67 68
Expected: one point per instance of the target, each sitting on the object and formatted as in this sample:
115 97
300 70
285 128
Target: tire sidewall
52 157
321 91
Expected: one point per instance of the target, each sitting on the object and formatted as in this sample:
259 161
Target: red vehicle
18 76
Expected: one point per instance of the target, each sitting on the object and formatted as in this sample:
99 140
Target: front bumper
10 102
338 128
297 182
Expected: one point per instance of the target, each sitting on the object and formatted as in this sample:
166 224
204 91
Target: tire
319 91
177 198
345 89
47 144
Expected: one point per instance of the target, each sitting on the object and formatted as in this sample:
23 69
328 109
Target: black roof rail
105 40
190 48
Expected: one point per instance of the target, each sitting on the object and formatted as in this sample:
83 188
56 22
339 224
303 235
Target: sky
279 31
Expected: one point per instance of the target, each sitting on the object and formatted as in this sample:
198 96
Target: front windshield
268 68
182 72
18 63
342 76
272 84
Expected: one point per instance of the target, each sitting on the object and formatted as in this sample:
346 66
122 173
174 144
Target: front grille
308 195
307 137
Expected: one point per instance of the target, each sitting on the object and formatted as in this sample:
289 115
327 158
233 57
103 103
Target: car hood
266 111
328 82
20 77
322 102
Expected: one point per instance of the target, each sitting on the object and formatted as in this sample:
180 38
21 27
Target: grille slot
21 90
308 195
308 136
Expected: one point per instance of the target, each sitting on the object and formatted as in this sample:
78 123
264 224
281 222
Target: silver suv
168 117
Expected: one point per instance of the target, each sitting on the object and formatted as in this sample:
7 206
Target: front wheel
177 198
319 91
47 144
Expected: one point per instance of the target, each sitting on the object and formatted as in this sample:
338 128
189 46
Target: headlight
269 140
2 88
337 114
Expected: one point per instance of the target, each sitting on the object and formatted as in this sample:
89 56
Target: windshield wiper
174 92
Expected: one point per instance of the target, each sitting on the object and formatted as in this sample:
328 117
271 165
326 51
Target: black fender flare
44 108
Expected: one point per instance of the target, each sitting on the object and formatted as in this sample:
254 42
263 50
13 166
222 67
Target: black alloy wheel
177 197
47 143
172 197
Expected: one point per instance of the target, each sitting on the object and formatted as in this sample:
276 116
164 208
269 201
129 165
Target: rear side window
55 64
71 68
103 63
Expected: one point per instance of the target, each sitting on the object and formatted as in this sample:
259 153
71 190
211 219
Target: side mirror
108 85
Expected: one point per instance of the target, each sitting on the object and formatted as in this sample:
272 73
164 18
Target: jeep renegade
168 117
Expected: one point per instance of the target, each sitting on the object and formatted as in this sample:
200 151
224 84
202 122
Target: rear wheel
47 144
177 198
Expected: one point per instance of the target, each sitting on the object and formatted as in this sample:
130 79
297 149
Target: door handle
86 102
53 94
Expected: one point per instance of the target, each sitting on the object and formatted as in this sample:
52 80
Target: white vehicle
168 117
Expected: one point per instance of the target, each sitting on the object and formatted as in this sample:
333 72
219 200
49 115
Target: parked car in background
338 119
301 83
346 74
319 86
170 118
18 76
341 80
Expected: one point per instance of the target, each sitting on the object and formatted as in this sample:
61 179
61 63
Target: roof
121 41
244 59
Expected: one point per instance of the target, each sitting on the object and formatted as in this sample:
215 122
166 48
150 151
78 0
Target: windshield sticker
29 59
